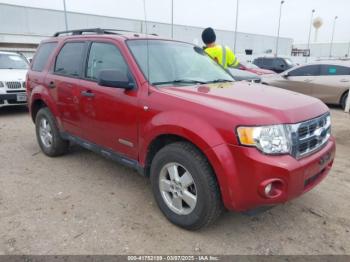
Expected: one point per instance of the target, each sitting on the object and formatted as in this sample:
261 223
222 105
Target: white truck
13 70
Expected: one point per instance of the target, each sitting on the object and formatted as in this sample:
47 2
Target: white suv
13 70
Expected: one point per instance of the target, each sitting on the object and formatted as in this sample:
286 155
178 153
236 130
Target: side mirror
285 75
114 78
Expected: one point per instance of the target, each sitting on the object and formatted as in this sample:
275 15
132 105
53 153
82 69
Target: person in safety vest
223 55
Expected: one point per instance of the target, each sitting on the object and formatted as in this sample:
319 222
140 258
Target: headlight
1 84
268 139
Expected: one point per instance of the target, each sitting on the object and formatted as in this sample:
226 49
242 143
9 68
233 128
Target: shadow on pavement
13 110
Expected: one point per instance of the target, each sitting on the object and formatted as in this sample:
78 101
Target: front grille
310 136
15 91
13 85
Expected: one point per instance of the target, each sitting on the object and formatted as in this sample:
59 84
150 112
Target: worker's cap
208 35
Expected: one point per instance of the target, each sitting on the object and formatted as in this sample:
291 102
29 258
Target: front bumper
11 98
242 171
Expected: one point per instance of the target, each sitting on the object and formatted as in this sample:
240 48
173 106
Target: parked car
13 69
241 75
250 67
276 64
169 111
326 80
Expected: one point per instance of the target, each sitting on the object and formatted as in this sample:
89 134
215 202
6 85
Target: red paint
205 115
258 71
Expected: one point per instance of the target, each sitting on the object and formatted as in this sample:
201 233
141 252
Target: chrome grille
13 85
310 136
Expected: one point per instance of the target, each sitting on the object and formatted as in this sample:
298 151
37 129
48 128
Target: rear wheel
47 133
185 187
344 100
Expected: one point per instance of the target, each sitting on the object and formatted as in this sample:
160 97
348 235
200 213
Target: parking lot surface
82 203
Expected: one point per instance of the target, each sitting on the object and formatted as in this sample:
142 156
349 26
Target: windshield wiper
219 81
180 81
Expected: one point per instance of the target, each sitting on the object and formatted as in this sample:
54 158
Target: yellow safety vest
223 55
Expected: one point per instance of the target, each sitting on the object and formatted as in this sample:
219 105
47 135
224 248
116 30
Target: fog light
268 189
271 188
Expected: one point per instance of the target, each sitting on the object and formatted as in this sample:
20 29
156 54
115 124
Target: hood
13 75
252 103
261 71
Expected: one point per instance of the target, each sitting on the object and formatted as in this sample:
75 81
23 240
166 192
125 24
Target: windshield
12 61
178 63
289 61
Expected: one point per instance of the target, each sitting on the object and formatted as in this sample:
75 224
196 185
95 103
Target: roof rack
98 31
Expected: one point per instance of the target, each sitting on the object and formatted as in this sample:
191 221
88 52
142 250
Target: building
320 50
22 28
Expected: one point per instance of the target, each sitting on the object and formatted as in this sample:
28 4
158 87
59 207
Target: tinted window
12 61
312 70
257 62
278 63
104 56
69 60
42 55
268 62
334 70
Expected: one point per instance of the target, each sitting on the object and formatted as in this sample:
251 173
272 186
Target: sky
255 16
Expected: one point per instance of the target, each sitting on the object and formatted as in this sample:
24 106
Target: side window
327 70
268 62
104 56
311 70
277 63
69 60
42 55
258 62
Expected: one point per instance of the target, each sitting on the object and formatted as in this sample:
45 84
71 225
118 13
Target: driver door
109 114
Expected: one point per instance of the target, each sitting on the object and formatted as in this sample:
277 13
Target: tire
54 146
343 100
184 157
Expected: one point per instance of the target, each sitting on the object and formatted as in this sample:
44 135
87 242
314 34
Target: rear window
327 70
42 55
70 59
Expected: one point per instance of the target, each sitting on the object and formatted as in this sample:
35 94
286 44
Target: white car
13 70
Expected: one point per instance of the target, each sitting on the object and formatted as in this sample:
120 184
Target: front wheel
47 133
344 100
185 187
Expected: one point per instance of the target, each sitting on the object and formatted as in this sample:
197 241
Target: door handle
87 93
344 81
52 84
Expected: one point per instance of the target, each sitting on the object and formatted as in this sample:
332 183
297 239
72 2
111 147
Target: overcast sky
255 16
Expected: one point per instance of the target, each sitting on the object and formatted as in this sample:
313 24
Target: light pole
331 47
308 42
279 26
65 14
172 19
235 42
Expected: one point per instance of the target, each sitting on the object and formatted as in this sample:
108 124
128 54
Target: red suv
167 110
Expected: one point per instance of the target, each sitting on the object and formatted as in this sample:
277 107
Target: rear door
301 79
64 84
109 115
333 81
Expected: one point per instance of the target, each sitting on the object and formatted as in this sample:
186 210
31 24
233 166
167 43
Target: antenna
146 28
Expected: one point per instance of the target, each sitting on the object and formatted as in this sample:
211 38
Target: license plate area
21 97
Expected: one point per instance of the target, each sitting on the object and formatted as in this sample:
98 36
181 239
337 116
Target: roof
114 33
333 62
